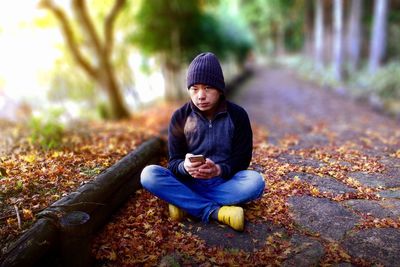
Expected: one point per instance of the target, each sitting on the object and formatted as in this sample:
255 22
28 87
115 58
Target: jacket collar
221 108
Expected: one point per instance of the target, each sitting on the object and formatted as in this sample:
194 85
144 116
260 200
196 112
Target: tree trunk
109 82
280 40
378 37
173 86
171 69
338 37
98 66
319 34
354 35
173 82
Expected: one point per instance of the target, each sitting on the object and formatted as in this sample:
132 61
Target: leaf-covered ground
32 178
142 234
332 172
332 181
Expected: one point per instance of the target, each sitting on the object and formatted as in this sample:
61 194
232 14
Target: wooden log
99 198
102 214
32 245
75 240
94 194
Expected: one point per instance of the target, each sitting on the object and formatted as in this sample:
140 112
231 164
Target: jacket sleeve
177 147
242 144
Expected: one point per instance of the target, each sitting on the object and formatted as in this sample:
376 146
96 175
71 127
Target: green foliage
91 171
267 18
233 34
167 26
181 29
47 131
385 83
294 34
393 49
103 110
3 172
381 89
19 185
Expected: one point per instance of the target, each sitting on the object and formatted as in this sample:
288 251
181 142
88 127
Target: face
205 98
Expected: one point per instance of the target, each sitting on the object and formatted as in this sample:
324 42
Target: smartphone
197 158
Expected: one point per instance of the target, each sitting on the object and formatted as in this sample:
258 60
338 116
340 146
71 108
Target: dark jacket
227 139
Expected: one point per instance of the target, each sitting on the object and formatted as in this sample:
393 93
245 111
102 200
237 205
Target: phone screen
197 158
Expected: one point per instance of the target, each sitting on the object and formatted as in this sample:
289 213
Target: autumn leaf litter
141 232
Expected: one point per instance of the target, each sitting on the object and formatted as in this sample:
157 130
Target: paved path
319 120
285 104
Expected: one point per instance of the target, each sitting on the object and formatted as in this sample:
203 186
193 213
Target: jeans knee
259 180
148 177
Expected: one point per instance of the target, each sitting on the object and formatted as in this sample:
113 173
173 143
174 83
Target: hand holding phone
197 158
207 170
193 162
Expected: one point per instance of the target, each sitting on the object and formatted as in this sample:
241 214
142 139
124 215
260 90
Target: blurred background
107 59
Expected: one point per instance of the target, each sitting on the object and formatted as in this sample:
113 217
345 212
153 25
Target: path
365 229
279 100
287 105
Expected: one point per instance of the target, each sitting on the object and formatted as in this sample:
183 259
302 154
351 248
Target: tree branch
18 217
82 14
69 37
109 26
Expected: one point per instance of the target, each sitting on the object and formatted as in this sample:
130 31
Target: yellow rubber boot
175 213
232 216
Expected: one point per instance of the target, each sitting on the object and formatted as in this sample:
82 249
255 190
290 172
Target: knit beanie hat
206 69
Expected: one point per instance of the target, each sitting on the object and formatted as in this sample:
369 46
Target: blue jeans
200 197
